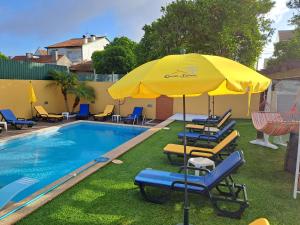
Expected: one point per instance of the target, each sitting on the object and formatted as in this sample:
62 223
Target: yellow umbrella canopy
32 96
190 75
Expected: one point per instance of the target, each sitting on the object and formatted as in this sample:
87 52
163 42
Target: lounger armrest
188 183
194 168
200 151
20 118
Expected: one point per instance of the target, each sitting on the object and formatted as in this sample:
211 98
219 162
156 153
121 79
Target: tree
237 29
66 81
295 4
124 42
288 50
2 56
82 91
117 57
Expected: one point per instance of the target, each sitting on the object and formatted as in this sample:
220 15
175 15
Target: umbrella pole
186 201
213 108
31 109
208 107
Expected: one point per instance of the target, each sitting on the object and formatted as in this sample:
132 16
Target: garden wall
14 94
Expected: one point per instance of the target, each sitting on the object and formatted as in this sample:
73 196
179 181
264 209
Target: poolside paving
40 125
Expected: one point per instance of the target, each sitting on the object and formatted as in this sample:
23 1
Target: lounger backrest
40 109
225 118
8 115
109 109
224 114
226 141
137 111
224 169
84 109
225 129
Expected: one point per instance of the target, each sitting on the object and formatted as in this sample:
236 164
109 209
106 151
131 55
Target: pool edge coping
91 168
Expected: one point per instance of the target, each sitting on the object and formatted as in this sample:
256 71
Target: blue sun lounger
8 192
135 116
84 112
218 184
214 137
11 119
213 120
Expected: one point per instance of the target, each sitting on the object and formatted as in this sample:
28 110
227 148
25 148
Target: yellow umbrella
189 75
32 96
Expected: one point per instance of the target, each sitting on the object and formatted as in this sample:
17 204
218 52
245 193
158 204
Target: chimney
85 39
54 56
93 37
29 55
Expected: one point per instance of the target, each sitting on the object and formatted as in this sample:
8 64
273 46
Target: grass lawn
110 197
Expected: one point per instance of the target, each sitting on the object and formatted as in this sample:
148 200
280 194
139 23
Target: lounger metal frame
228 192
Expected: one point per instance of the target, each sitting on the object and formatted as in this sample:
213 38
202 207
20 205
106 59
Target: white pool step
8 192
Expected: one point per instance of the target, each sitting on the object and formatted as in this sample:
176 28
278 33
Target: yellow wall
15 95
199 105
103 98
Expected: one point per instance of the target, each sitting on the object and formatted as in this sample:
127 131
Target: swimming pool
50 155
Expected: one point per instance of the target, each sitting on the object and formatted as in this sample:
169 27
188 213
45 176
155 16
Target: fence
21 70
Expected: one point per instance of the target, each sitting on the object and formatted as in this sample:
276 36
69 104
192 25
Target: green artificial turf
110 197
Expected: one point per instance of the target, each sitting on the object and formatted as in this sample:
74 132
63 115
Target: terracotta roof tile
285 35
74 42
83 67
39 59
286 70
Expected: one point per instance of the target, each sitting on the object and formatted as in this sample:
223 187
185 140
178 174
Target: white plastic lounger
8 192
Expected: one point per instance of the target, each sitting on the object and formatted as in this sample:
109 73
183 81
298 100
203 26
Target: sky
27 25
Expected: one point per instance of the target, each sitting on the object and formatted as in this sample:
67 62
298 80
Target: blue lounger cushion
189 135
23 122
165 179
10 118
84 111
212 137
136 114
8 192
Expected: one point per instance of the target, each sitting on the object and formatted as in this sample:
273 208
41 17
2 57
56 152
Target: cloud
51 18
278 11
132 17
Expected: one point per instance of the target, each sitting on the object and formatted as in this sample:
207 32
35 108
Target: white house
79 49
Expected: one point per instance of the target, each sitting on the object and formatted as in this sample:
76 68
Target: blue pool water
53 154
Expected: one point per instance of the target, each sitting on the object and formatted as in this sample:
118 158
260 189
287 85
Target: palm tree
82 91
66 81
